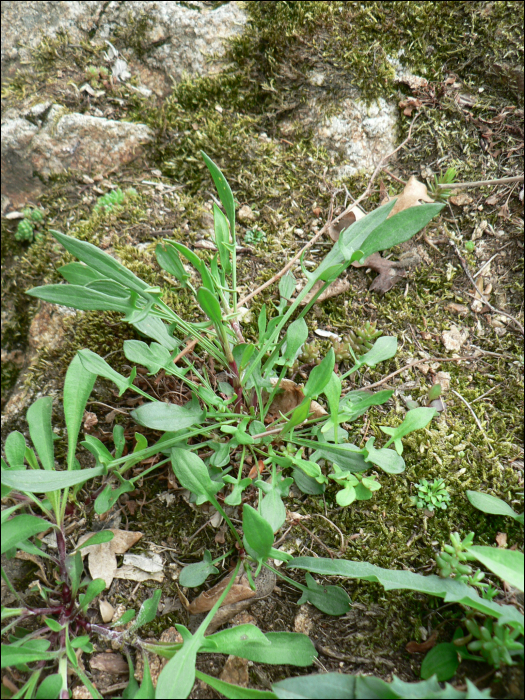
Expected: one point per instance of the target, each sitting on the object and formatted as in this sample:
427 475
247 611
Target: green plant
255 235
113 199
493 505
438 189
255 411
470 246
25 230
431 495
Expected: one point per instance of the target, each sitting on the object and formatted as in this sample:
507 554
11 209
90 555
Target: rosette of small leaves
359 341
26 227
112 199
255 235
452 561
494 642
310 354
431 495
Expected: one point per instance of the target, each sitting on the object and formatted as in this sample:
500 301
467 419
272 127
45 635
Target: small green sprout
494 642
470 246
431 495
439 193
452 561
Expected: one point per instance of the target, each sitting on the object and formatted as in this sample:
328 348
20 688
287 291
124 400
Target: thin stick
486 301
318 235
480 183
418 362
473 414
491 259
186 350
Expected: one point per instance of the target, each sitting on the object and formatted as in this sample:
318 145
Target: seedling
431 495
29 227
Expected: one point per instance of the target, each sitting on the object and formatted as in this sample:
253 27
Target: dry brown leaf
501 540
25 556
102 558
390 271
290 397
421 647
478 305
460 200
413 194
338 287
90 420
109 663
206 600
334 230
454 338
409 105
107 611
459 309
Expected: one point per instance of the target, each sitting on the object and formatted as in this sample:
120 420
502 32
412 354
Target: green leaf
41 430
307 484
222 238
450 590
505 563
234 692
355 403
97 365
107 498
224 190
97 538
15 449
94 588
39 481
78 386
296 335
491 504
383 349
78 273
209 304
258 533
13 656
197 263
82 298
154 356
299 415
168 416
388 460
441 661
347 456
98 450
416 419
332 391
192 473
284 648
332 600
147 612
272 506
195 574
100 261
21 527
169 259
400 228
320 376
50 687
153 327
353 238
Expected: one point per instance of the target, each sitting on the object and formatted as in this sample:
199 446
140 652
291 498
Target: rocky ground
297 103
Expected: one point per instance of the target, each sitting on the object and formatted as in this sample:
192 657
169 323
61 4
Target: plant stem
480 183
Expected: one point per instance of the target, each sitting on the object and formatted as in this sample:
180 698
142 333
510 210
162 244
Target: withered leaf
102 558
421 647
390 271
347 220
339 286
290 397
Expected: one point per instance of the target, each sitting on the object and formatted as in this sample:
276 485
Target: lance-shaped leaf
101 262
258 533
153 327
193 474
332 600
20 528
505 563
399 228
209 304
197 263
40 481
169 259
15 449
222 238
353 238
41 430
383 349
224 190
168 416
415 419
78 386
389 461
76 297
78 273
320 376
489 504
97 365
296 335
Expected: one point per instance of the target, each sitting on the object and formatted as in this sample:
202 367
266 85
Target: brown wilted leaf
90 420
413 194
501 540
478 305
409 105
334 230
102 558
338 287
290 397
421 647
206 600
109 663
459 309
454 338
390 271
462 199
